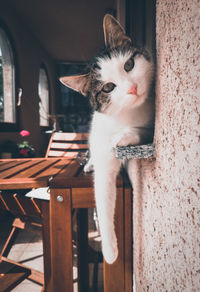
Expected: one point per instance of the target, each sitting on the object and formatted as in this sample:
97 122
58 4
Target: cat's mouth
135 92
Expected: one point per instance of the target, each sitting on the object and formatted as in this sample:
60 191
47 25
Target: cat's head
119 77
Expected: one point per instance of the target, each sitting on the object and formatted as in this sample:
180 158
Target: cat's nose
133 90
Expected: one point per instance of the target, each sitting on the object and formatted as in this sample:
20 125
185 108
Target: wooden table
71 188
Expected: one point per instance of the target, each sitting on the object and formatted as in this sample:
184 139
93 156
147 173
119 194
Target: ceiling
68 30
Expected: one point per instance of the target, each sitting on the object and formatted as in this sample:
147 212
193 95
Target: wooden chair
67 145
35 205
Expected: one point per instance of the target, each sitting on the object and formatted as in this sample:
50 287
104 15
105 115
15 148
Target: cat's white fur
124 122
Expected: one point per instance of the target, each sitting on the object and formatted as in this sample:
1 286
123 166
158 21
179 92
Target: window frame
44 67
9 126
72 107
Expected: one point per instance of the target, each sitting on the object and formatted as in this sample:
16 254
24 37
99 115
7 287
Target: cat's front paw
125 138
129 139
89 166
116 139
110 252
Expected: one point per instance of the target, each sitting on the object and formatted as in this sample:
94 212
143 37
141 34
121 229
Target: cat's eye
128 66
108 87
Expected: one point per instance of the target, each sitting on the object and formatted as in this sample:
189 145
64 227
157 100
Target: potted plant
24 148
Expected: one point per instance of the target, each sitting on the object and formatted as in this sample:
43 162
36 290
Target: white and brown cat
119 86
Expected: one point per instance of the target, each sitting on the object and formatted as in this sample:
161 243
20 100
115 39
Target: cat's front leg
105 176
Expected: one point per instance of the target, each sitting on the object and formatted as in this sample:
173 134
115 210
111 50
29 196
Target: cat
119 86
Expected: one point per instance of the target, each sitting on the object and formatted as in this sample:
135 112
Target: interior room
50 237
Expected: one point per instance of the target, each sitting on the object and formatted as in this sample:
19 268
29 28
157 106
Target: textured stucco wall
167 190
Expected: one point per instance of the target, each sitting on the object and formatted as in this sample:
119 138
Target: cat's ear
78 83
114 34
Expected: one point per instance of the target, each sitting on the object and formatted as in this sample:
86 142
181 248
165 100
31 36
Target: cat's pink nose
133 90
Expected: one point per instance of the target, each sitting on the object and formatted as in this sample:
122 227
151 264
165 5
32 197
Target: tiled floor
28 250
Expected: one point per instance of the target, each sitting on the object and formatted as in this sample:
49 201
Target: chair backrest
67 145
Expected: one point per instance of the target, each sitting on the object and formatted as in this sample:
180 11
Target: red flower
24 133
24 152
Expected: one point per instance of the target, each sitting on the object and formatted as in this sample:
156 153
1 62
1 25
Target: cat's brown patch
98 99
114 33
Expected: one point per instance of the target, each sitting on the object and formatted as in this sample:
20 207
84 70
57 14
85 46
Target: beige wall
167 190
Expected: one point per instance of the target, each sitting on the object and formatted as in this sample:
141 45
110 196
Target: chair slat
68 146
70 136
10 203
54 153
71 155
30 206
62 143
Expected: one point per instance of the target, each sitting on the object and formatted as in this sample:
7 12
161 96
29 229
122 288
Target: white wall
167 189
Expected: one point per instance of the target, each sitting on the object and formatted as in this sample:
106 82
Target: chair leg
82 247
9 242
32 274
11 275
17 224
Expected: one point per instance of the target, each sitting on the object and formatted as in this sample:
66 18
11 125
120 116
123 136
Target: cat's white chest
103 126
107 131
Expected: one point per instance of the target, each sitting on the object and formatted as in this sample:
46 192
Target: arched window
43 92
7 80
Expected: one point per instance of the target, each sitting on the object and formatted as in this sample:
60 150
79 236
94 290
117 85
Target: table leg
61 240
82 247
46 244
